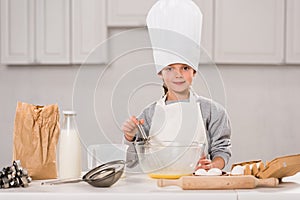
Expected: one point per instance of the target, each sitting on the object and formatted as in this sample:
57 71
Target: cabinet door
53 31
17 45
206 7
88 30
293 32
128 13
249 31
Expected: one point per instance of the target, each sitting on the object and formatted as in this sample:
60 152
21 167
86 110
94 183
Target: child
181 115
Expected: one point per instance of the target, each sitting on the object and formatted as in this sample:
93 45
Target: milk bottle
69 163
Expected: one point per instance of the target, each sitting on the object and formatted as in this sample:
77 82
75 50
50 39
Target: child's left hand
208 164
204 163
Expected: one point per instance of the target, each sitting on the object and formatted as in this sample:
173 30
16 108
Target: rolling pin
218 182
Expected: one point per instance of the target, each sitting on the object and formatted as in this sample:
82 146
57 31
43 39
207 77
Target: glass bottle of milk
69 148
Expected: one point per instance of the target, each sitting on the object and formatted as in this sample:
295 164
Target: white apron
179 122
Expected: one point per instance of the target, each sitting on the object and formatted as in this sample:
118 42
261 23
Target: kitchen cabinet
34 31
39 31
132 13
293 32
206 7
52 31
88 30
16 25
129 13
249 31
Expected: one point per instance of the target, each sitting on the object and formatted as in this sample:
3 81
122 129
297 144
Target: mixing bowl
168 159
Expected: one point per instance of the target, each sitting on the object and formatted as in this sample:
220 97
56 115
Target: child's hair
165 89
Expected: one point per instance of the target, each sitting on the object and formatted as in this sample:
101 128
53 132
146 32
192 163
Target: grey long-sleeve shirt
216 123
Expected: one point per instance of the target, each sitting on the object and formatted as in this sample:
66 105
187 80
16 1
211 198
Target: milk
69 154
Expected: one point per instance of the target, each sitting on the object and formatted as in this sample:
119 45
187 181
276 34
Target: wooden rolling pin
218 182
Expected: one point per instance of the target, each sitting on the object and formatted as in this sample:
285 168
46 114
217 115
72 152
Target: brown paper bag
36 133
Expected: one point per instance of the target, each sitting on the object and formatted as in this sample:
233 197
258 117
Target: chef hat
174 28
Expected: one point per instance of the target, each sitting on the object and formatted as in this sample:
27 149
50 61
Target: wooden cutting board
218 182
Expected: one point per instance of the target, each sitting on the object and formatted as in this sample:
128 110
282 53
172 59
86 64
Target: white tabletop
288 189
142 187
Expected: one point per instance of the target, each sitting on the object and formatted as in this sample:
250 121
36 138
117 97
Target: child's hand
207 164
204 163
129 127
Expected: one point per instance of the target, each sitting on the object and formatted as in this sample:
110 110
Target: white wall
264 105
32 84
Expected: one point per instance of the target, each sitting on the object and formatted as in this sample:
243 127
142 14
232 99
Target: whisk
141 130
151 156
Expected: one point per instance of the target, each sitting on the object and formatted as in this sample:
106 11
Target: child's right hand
129 127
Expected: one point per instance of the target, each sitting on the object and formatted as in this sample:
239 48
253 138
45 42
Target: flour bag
36 133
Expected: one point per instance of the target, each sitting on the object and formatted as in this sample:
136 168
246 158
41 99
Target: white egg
214 172
200 172
258 165
237 170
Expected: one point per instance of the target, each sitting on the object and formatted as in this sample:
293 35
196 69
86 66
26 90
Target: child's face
177 77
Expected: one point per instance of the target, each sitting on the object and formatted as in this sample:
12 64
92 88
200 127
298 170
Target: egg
237 170
200 172
214 172
211 172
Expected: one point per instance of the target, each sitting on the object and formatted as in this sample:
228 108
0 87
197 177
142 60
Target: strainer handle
61 181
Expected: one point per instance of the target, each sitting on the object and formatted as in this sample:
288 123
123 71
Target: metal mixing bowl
168 159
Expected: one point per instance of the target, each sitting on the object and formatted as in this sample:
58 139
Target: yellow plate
167 176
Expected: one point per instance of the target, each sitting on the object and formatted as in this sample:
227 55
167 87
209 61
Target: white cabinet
293 32
39 31
249 31
16 28
66 31
206 7
89 30
34 31
128 13
52 31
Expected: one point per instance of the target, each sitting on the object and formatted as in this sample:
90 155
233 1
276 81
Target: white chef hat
174 28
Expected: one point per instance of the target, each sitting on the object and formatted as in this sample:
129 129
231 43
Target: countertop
139 186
